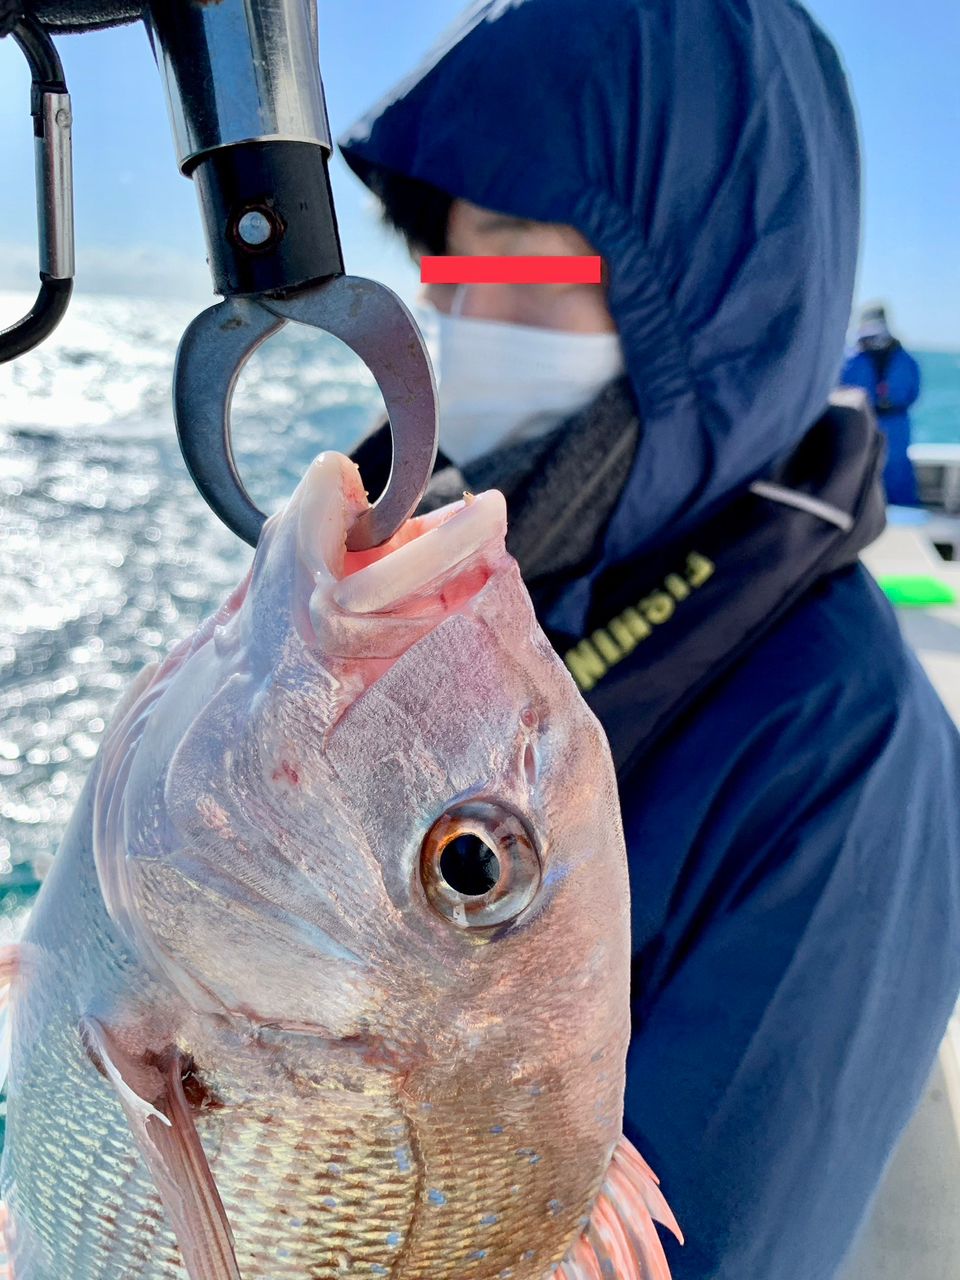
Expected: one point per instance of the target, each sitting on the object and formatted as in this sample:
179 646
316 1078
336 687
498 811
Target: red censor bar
516 270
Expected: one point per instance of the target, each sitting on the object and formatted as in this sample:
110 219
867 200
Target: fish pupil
469 866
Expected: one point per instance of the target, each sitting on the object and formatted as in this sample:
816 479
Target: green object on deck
916 591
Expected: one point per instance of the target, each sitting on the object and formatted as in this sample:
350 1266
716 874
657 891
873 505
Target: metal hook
52 122
376 325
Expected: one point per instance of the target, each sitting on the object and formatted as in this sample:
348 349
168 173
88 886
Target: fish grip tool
52 125
250 125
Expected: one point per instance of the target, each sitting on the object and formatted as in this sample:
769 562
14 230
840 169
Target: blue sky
138 228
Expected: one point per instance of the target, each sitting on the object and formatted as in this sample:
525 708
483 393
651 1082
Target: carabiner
52 122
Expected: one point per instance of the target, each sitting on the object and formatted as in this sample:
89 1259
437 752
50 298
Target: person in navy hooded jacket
891 378
687 507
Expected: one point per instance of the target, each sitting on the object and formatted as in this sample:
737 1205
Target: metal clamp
52 124
250 123
371 320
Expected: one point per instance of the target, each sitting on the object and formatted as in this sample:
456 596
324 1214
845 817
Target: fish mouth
433 565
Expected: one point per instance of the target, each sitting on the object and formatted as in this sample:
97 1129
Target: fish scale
342 1185
53 1192
501 1198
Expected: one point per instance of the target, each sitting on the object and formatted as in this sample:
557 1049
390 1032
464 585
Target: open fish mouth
431 568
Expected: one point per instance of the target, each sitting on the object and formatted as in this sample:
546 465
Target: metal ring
212 351
376 325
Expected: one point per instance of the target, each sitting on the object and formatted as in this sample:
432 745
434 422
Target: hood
708 150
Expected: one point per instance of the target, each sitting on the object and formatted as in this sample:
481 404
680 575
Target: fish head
379 754
367 805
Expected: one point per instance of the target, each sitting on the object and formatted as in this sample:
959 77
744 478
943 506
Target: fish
330 975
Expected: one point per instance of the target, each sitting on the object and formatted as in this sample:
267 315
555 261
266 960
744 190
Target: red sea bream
330 976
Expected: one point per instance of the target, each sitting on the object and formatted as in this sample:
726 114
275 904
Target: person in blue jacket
686 507
891 378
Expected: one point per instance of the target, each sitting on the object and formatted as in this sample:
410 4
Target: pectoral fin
152 1097
621 1240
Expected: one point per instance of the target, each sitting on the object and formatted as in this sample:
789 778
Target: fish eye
479 865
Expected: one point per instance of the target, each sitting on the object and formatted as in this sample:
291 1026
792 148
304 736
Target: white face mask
502 383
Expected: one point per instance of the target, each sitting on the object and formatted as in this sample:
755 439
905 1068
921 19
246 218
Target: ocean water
108 554
936 418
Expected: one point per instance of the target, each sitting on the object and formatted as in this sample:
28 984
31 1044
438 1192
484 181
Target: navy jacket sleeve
795 927
904 380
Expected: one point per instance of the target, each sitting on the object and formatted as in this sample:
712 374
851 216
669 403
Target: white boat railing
937 467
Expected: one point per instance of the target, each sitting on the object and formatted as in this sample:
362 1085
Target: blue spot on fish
436 1197
489 1220
529 1254
334 1170
554 1206
393 1239
496 1128
378 1270
478 1255
403 1159
329 1202
555 875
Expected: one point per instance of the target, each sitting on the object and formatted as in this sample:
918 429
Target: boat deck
914 1227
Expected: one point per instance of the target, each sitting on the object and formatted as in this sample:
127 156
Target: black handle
282 190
